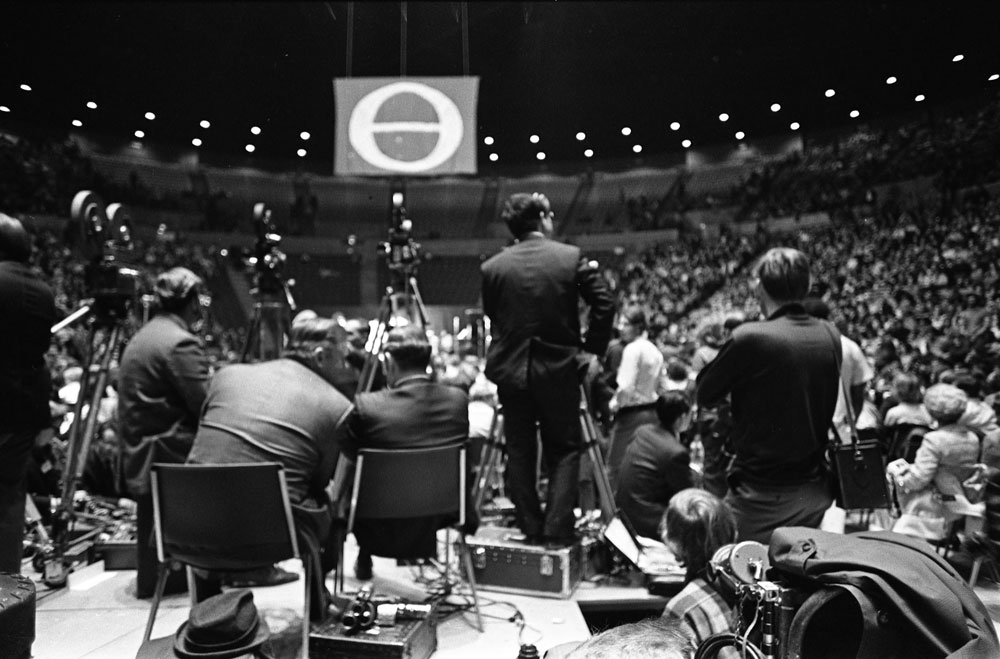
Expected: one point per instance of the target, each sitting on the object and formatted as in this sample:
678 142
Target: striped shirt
703 611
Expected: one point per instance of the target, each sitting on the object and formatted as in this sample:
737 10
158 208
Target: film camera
781 619
401 252
106 241
268 260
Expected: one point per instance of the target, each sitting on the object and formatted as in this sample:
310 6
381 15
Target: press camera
268 260
401 252
106 241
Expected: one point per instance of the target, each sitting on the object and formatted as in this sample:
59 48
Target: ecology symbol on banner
363 128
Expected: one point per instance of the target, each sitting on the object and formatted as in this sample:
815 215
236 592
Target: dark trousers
554 411
759 509
15 447
627 421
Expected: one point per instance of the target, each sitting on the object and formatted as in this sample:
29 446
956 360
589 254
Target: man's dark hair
175 288
969 383
670 406
784 274
308 335
523 212
15 243
409 348
636 317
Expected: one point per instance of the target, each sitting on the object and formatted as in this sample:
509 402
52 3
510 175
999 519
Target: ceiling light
723 117
855 114
255 130
205 123
196 141
626 131
301 153
994 77
686 143
675 126
249 148
139 134
581 136
589 153
958 58
540 155
919 97
150 116
494 157
775 107
26 88
637 148
794 125
91 105
533 139
829 93
487 140
77 123
740 134
304 135
4 108
891 80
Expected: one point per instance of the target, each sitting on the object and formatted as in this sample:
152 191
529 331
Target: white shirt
854 370
639 373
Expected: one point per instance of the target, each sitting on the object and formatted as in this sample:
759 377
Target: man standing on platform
783 374
531 292
27 313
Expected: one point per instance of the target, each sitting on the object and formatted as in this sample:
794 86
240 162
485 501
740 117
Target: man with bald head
27 313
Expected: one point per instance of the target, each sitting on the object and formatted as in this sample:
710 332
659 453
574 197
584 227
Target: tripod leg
374 344
604 492
488 461
252 334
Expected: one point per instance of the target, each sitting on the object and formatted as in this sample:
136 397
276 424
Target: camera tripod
270 324
107 335
492 454
411 301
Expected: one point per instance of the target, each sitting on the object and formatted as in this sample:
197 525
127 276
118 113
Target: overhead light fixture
775 107
675 125
534 139
150 116
637 148
958 58
794 125
255 130
4 108
488 141
740 134
891 80
196 141
494 157
26 88
540 155
994 77
301 153
723 117
139 134
205 123
588 153
829 93
581 136
919 97
91 105
686 144
77 123
855 114
626 131
304 135
250 148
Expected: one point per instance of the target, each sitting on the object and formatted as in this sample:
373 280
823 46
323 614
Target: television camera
268 260
274 301
401 252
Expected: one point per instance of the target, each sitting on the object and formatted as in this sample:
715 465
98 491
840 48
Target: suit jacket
162 382
416 413
656 466
531 292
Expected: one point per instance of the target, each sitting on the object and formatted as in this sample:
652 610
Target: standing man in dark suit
413 411
783 376
162 381
27 312
531 292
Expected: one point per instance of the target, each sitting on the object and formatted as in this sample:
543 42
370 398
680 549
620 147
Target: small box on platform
502 562
407 639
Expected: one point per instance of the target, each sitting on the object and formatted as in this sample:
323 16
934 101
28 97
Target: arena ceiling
552 69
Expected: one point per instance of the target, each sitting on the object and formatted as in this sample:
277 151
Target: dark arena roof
552 69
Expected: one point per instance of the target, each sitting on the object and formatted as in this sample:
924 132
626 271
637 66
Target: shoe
559 543
268 576
536 540
363 567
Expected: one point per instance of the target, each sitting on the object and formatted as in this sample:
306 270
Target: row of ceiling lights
534 139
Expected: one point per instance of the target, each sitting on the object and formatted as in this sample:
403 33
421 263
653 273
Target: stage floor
96 616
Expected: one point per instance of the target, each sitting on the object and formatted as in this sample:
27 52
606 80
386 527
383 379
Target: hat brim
263 633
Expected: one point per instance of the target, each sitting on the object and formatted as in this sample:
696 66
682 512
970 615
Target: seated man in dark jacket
413 412
656 466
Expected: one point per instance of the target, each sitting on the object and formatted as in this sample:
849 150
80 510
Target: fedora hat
221 627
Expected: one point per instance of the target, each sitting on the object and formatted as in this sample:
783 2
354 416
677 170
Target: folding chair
226 518
412 483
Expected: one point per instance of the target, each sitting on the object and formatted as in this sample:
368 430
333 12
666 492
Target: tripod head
401 252
267 259
105 237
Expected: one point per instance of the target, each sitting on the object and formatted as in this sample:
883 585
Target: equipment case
504 564
407 639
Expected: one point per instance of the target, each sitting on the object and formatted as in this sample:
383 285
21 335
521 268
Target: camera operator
284 410
163 378
531 292
783 377
27 312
